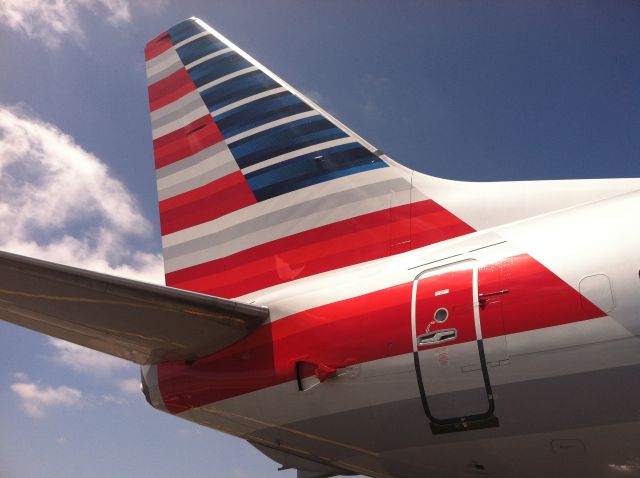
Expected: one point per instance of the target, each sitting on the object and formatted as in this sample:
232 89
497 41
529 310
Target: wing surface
140 322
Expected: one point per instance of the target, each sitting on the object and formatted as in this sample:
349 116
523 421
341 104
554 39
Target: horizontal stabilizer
140 322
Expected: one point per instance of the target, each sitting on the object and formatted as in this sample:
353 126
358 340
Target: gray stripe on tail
331 201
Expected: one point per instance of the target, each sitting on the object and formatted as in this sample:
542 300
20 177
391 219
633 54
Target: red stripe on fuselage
361 329
341 244
268 356
158 45
431 223
205 203
536 297
185 142
169 89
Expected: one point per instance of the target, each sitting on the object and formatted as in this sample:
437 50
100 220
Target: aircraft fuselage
509 352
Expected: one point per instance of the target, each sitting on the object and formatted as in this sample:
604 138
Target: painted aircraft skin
416 326
561 351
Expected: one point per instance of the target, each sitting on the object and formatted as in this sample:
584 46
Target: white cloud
130 386
60 203
374 81
315 96
21 376
84 360
118 11
189 431
51 20
240 473
114 399
35 400
372 88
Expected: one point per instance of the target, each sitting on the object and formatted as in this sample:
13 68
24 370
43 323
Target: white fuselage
562 364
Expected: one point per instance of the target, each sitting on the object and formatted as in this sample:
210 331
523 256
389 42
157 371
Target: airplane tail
257 184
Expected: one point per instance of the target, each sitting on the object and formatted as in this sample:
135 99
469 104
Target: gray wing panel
140 322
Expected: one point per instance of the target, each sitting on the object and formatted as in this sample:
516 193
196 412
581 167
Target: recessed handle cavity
437 337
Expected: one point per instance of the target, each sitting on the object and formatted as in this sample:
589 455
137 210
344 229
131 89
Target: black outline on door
469 422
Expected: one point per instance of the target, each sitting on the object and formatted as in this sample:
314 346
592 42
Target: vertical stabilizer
258 185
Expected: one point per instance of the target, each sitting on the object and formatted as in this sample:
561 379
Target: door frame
469 422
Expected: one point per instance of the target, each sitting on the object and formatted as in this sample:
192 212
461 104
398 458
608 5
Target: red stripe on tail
169 89
186 141
205 203
158 45
341 244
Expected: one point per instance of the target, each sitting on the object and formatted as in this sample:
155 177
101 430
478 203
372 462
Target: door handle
437 337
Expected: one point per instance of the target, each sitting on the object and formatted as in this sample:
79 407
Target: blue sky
464 90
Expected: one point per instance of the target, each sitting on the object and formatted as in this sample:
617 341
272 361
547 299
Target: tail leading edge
257 184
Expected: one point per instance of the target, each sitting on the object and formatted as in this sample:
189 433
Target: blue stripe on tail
312 168
217 67
283 177
237 89
259 112
184 30
284 139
